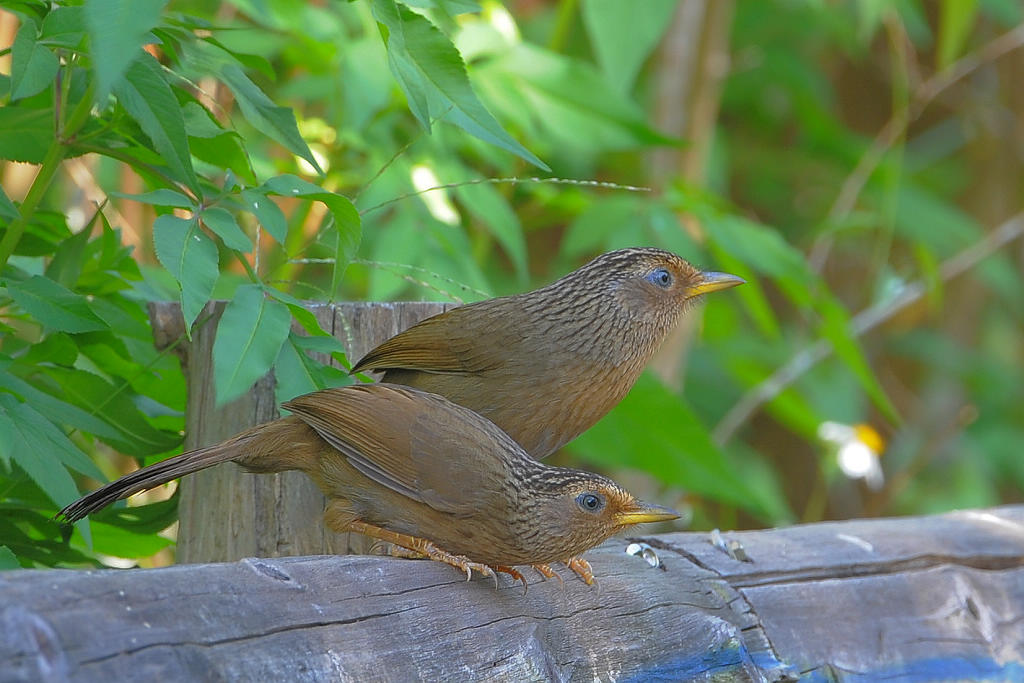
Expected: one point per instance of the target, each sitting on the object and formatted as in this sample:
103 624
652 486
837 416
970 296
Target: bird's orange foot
514 573
547 572
424 548
392 550
582 569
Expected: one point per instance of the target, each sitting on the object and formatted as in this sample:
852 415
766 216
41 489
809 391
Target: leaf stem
47 170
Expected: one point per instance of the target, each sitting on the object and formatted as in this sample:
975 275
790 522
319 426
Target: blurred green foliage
271 151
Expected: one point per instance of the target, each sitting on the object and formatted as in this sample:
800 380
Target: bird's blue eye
591 502
660 277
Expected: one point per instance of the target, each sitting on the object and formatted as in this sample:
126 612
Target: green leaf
608 22
956 19
836 328
147 97
117 29
277 122
64 26
676 448
33 65
324 344
7 559
249 338
300 313
43 434
491 209
191 257
752 294
25 134
452 7
569 98
161 197
55 306
346 218
223 223
67 262
760 248
433 77
8 211
115 406
267 213
39 449
57 409
118 542
594 228
57 348
150 518
213 144
298 374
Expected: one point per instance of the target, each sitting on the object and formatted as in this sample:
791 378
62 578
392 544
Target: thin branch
496 181
862 323
397 268
897 125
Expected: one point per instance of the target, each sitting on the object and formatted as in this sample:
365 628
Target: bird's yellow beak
643 513
712 282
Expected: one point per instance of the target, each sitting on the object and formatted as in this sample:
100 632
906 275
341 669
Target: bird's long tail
264 448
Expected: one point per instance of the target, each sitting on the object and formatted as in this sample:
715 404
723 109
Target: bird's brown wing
412 442
448 342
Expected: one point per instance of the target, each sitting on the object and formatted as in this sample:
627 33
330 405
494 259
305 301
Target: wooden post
227 514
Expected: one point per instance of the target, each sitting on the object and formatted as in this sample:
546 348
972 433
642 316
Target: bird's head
582 509
655 285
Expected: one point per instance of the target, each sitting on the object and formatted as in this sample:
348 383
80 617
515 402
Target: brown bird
546 365
416 470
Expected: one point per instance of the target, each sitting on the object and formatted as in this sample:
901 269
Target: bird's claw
582 569
514 573
547 572
466 565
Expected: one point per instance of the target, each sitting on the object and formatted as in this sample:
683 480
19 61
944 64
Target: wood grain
913 599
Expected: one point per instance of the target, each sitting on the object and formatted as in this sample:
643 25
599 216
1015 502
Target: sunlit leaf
433 77
276 121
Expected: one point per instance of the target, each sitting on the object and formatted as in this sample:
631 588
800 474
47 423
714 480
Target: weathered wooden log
913 599
226 514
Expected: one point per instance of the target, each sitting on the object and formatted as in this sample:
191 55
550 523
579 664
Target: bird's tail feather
150 477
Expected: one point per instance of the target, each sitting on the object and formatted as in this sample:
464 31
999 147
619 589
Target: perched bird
414 469
546 365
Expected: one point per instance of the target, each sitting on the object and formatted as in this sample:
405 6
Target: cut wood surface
914 599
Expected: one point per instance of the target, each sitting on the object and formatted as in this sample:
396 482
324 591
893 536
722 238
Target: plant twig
860 324
55 154
496 181
897 125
